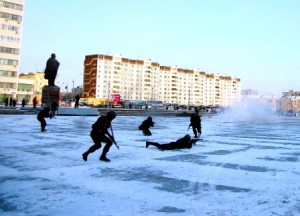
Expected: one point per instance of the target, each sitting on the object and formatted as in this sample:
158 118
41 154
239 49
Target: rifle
112 137
193 141
189 127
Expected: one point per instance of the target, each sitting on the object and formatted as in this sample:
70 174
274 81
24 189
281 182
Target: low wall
70 111
121 112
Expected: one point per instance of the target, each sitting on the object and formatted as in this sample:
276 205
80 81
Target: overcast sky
256 41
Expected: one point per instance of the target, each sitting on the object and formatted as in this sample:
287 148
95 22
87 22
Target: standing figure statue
51 70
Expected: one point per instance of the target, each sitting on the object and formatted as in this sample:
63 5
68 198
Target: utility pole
188 100
73 90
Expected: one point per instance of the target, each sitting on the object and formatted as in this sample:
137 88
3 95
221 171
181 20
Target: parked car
83 104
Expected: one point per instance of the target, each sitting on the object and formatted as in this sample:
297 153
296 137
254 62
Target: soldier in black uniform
182 143
146 124
44 113
195 122
100 134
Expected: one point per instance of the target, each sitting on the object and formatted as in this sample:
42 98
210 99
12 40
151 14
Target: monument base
50 94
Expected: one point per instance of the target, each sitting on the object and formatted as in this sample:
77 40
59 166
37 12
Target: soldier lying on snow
182 143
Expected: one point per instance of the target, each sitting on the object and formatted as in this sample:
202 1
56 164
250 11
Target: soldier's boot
147 144
103 155
43 126
150 143
91 150
154 144
104 158
85 155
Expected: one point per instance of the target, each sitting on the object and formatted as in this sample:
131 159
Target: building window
8 62
9 50
10 16
11 5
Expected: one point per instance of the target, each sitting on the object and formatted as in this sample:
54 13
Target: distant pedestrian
44 113
195 122
10 101
182 143
6 101
23 102
146 124
34 102
77 101
100 134
14 102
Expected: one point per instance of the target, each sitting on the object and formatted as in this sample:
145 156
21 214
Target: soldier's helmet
111 115
150 118
188 137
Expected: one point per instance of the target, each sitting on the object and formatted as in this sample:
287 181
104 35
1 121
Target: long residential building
11 13
105 75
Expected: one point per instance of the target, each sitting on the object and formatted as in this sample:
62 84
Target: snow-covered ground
242 167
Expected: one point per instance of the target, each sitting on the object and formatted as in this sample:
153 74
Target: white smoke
249 112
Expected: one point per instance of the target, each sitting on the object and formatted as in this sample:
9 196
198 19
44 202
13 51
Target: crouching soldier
182 143
44 113
100 134
146 124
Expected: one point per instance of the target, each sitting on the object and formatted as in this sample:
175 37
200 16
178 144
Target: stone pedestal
50 94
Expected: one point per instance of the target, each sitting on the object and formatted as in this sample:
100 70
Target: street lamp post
73 90
66 93
152 93
108 94
188 100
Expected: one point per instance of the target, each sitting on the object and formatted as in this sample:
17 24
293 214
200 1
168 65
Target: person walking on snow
100 134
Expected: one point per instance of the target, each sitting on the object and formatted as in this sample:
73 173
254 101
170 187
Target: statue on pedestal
51 69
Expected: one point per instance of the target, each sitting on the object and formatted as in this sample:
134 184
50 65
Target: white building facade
11 13
146 80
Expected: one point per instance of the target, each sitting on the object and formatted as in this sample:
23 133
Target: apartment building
290 101
105 75
11 12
